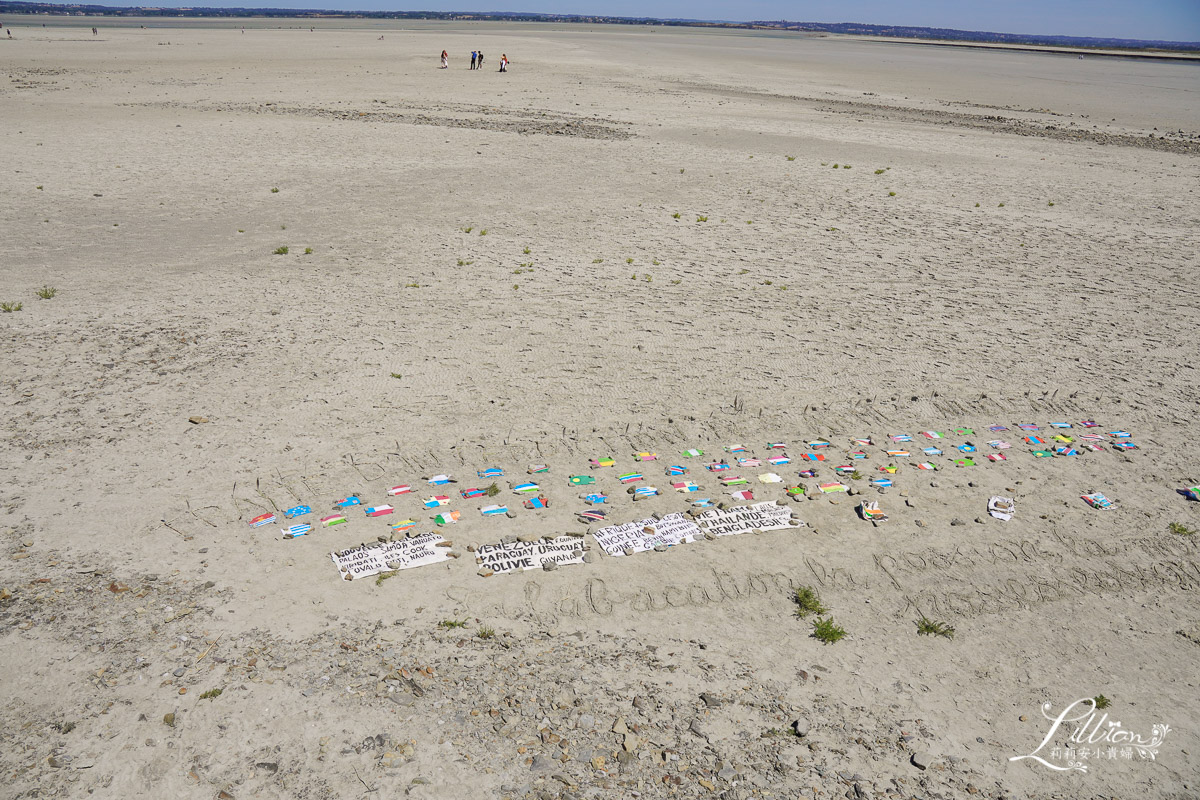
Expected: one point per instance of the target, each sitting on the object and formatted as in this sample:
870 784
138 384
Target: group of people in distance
476 60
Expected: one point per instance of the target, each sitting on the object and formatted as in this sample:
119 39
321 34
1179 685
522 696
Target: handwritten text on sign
513 556
743 519
647 534
361 562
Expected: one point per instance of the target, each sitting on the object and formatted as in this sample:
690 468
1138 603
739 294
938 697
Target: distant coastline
895 33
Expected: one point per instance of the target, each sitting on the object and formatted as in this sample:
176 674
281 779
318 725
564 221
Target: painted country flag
964 462
333 519
819 444
931 434
742 494
630 477
1027 426
702 502
581 480
813 456
536 503
1092 437
297 511
1034 440
493 511
890 469
883 483
897 453
926 465
996 444
645 456
1064 439
262 519
830 488
645 491
749 462
676 470
966 447
525 488
858 454
378 511
1042 454
534 469
965 431
693 453
1060 424
346 502
716 466
795 491
932 451
732 480
776 461
1090 423
776 446
807 473
1125 445
592 515
490 472
403 488
602 462
595 498
769 477
1120 434
437 500
1095 448
863 441
997 457
292 531
404 525
736 448
844 469
447 517
439 480
900 437
997 428
467 494
685 486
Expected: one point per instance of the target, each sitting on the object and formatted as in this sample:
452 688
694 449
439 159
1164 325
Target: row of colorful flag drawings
1060 444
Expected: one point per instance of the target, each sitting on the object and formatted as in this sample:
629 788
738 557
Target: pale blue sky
1173 20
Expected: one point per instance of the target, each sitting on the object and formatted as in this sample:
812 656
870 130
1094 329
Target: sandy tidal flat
636 241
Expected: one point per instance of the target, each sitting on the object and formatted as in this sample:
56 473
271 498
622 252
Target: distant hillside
855 28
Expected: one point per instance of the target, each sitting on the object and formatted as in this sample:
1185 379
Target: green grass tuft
275 190
211 694
1101 702
808 602
8 308
485 632
46 292
826 632
1179 529
928 627
450 624
281 251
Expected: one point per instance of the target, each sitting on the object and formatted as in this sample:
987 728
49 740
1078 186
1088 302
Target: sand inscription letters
767 516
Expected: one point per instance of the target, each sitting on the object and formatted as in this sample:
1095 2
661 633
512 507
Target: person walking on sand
479 63
474 55
504 62
445 60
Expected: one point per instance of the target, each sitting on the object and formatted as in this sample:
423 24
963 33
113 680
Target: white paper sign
372 559
646 534
732 521
514 556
